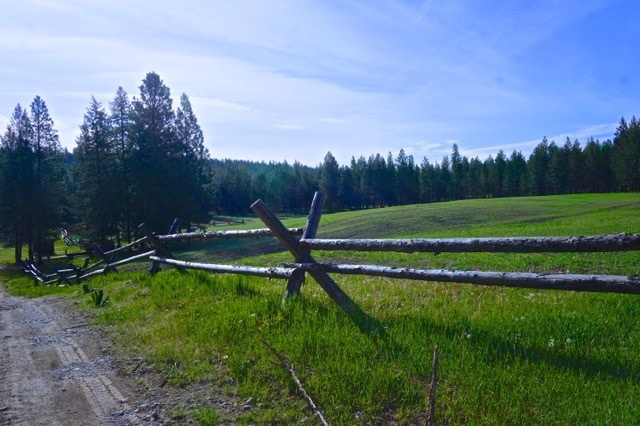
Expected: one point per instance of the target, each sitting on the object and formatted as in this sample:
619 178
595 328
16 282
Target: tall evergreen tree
96 172
457 173
17 181
558 171
538 169
475 178
626 155
330 182
407 183
577 178
500 169
188 130
597 166
194 159
32 181
120 125
427 181
515 175
154 188
49 178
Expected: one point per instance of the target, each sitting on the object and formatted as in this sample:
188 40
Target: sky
290 80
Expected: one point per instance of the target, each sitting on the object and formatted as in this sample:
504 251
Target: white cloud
597 131
4 122
287 127
332 120
219 104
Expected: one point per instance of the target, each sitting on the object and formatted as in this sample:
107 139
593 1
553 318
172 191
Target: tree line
139 160
379 181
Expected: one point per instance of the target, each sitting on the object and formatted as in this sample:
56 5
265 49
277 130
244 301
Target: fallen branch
284 362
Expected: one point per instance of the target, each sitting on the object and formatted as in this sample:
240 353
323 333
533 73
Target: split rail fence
304 263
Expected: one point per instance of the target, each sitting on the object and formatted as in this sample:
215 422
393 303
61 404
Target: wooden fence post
159 247
106 259
310 231
303 255
174 226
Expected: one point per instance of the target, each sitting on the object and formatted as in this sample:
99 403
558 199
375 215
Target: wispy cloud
220 103
294 127
4 122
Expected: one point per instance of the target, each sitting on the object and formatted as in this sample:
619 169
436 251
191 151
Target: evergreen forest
138 159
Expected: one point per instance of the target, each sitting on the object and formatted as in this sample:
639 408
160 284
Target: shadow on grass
504 351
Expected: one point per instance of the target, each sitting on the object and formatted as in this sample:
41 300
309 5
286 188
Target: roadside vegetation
506 355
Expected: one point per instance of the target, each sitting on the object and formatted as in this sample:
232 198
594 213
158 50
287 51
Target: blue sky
292 79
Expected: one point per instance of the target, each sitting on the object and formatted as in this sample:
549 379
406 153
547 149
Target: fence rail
575 282
597 243
301 250
107 260
269 272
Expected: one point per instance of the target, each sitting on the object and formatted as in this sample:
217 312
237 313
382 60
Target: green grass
506 355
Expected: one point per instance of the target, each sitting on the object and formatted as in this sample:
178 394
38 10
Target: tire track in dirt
45 375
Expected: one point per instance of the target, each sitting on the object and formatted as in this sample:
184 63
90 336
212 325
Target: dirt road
55 371
56 368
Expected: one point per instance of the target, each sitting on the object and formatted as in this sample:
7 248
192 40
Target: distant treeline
570 168
142 161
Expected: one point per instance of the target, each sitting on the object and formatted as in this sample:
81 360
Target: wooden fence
304 263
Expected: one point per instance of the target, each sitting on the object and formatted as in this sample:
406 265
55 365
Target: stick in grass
287 366
432 389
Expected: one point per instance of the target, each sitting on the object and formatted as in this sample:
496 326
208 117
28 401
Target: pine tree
96 171
330 182
32 180
558 178
188 130
626 155
538 169
165 160
500 169
195 162
427 181
120 127
597 166
48 180
17 166
515 175
152 149
457 173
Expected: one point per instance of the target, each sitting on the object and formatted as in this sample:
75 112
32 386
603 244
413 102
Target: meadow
505 355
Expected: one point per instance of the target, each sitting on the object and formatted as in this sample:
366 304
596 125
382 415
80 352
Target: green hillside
552 215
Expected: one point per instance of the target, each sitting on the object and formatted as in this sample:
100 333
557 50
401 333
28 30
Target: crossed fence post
303 255
159 247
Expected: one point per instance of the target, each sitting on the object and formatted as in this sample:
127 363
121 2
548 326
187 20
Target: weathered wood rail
590 244
301 242
107 259
575 282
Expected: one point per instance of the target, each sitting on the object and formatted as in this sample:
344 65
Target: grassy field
506 355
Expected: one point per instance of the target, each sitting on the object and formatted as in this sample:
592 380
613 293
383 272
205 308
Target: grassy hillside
554 215
506 355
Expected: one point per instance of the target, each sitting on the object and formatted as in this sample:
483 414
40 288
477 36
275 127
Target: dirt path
54 371
56 368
